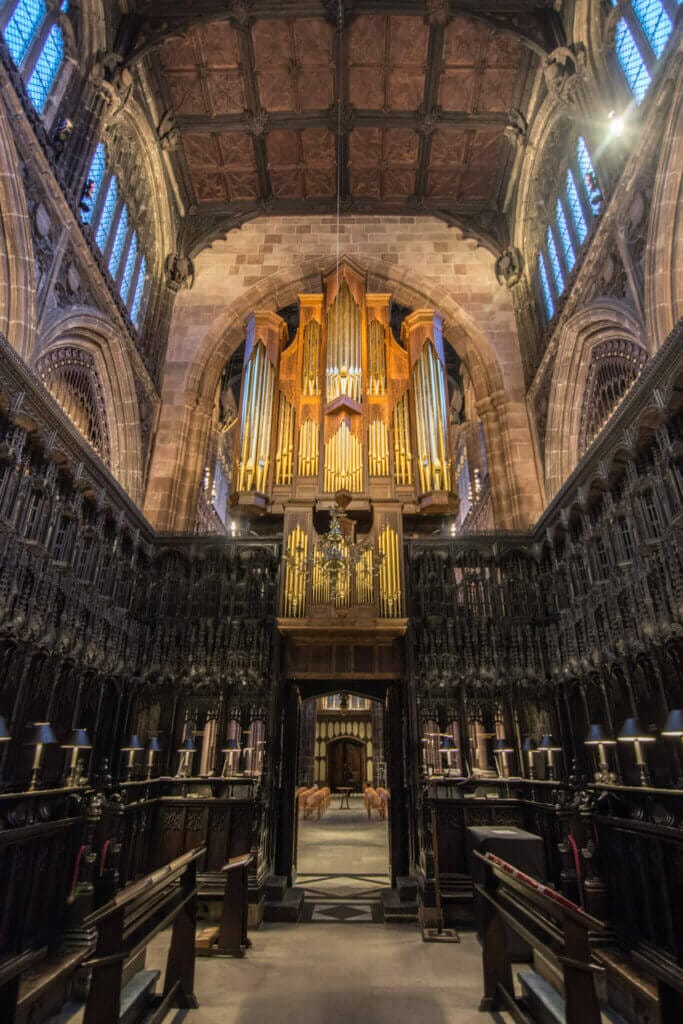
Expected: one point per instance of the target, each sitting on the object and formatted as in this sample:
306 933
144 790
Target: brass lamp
598 738
503 747
40 736
633 732
187 751
131 748
153 748
448 748
76 741
231 751
549 748
673 726
529 747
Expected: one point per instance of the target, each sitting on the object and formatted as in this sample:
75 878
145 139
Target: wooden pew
552 925
230 938
127 924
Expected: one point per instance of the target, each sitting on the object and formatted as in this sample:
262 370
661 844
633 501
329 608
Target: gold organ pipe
308 449
295 576
284 459
343 461
377 364
430 421
311 358
257 421
364 579
403 463
344 343
378 448
389 575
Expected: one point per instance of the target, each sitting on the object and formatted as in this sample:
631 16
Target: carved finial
428 121
258 122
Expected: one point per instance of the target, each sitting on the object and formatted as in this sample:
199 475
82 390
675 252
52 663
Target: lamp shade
596 734
187 744
40 733
548 743
231 745
153 745
529 745
78 738
633 732
4 731
502 746
133 743
674 723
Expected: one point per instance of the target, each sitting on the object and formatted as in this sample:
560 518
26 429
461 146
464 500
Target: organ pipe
344 346
378 448
403 459
295 576
311 358
257 419
321 591
343 461
309 443
284 458
433 464
364 578
389 575
377 361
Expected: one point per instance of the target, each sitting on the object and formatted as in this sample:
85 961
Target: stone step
287 909
275 888
136 997
407 889
546 1005
398 910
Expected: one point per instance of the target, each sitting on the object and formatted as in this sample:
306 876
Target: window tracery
110 212
33 34
614 368
642 32
71 377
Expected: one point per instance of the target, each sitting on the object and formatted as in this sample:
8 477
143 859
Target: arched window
614 367
106 211
578 204
643 30
35 43
71 377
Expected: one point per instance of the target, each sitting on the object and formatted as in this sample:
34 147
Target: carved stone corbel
509 267
563 71
167 132
179 272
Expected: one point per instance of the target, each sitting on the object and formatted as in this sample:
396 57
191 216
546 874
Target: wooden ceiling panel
504 51
272 43
187 93
241 185
401 146
288 182
456 89
465 43
283 148
209 186
202 151
236 151
366 87
316 88
179 52
313 39
365 182
225 92
218 42
398 182
320 181
318 147
405 88
449 146
497 89
277 89
367 37
365 147
408 40
445 183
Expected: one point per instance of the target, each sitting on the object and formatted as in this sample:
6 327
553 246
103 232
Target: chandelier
336 558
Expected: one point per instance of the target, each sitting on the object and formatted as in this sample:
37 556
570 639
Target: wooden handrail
550 923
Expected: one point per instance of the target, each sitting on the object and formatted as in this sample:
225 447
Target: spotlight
615 124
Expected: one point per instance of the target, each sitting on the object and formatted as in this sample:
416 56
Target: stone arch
197 354
607 320
88 331
17 269
664 253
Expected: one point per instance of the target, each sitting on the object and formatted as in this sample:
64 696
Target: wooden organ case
347 409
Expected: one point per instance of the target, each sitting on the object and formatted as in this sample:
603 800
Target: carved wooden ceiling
405 106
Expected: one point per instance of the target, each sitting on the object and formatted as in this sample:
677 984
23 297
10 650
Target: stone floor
345 974
328 971
343 842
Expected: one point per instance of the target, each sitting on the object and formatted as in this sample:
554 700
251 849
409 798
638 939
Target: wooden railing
551 924
127 924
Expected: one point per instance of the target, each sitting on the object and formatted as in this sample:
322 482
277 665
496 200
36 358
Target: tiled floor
343 842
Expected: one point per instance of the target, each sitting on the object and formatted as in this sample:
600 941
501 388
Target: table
344 794
523 850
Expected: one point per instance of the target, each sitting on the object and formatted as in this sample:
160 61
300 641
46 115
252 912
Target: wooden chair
125 926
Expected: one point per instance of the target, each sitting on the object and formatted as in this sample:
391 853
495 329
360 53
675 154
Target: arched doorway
346 763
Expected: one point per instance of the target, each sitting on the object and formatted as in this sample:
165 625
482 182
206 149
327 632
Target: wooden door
345 762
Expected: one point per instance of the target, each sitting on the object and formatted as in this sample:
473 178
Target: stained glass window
119 242
95 174
21 28
47 66
107 214
631 61
656 23
129 269
139 292
545 287
565 236
588 176
575 208
554 258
